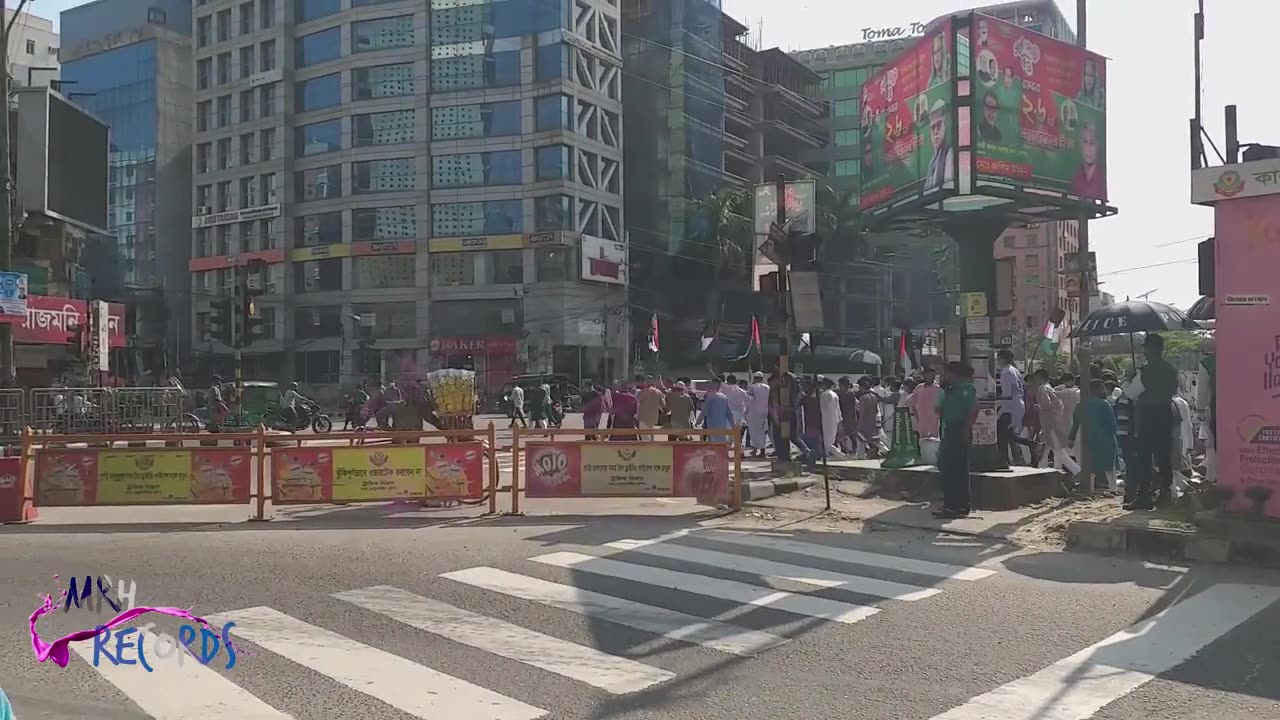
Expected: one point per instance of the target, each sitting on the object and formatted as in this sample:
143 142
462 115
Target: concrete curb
1168 544
761 489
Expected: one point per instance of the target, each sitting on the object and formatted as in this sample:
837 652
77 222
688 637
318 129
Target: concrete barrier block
1205 549
1096 536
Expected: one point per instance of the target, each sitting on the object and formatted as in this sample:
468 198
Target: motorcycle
308 412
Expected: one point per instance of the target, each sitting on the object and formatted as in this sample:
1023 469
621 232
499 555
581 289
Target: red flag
653 334
755 333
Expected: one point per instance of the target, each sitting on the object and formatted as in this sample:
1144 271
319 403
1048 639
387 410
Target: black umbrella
1133 317
1203 309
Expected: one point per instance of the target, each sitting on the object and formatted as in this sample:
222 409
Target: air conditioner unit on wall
204 210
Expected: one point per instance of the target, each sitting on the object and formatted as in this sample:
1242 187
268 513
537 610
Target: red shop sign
491 345
52 320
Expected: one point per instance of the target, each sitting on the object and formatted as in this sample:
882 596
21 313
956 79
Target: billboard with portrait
1039 111
908 123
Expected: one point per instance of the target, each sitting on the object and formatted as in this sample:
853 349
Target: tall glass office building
126 61
415 180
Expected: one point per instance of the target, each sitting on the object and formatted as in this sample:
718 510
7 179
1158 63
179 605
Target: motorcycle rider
289 405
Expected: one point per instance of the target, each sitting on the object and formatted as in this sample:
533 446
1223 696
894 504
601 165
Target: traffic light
220 321
76 348
251 326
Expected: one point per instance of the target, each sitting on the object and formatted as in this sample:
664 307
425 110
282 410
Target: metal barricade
72 410
146 409
13 414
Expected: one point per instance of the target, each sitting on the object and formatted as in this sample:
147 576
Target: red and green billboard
908 123
1039 111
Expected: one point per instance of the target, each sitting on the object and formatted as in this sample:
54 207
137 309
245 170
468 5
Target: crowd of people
1135 434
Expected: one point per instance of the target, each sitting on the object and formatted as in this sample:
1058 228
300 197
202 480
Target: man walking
758 415
1010 393
650 402
517 406
959 408
1158 381
923 404
737 400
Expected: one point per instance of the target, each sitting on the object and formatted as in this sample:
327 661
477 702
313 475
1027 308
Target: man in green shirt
1153 459
957 409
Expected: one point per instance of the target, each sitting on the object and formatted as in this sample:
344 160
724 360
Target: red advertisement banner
626 469
142 477
53 319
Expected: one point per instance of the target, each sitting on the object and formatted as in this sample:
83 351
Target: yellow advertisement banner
477 242
627 469
143 477
379 473
320 252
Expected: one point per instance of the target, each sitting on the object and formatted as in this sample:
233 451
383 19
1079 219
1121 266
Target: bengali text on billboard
908 123
362 474
142 477
627 469
1039 111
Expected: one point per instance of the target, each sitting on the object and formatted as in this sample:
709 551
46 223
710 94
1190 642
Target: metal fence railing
102 410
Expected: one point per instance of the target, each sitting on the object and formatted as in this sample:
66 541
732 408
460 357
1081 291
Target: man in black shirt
1153 454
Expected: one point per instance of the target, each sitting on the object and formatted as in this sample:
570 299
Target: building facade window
844 108
204 113
318 47
307 10
267 55
386 271
319 229
385 223
847 168
376 176
385 128
224 68
223 24
495 267
476 169
847 138
468 121
551 112
474 22
398 320
204 73
266 14
488 69
550 62
318 93
318 184
382 81
493 217
382 34
204 31
553 162
555 264
317 138
553 212
247 16
267 100
247 64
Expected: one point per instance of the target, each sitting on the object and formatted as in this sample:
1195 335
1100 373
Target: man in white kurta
758 414
829 403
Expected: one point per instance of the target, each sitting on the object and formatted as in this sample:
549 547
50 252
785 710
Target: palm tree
723 238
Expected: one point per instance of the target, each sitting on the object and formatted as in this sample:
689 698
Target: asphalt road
642 610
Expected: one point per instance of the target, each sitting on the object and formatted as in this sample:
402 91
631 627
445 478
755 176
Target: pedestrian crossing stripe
941 571
676 625
731 590
610 673
396 681
184 690
771 570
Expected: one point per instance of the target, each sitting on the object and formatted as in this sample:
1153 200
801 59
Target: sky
1150 98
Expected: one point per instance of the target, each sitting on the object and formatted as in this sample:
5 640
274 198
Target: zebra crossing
189 691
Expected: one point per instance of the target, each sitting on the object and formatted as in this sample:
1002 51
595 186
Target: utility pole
1082 352
784 350
8 377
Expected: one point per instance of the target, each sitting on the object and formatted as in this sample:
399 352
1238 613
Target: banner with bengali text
1040 110
142 477
908 123
626 469
379 473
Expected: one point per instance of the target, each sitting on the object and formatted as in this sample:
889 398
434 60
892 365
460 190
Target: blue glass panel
322 92
318 47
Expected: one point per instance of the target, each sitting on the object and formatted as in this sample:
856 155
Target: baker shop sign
892 33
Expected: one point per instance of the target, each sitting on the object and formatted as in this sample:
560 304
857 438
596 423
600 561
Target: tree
723 239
